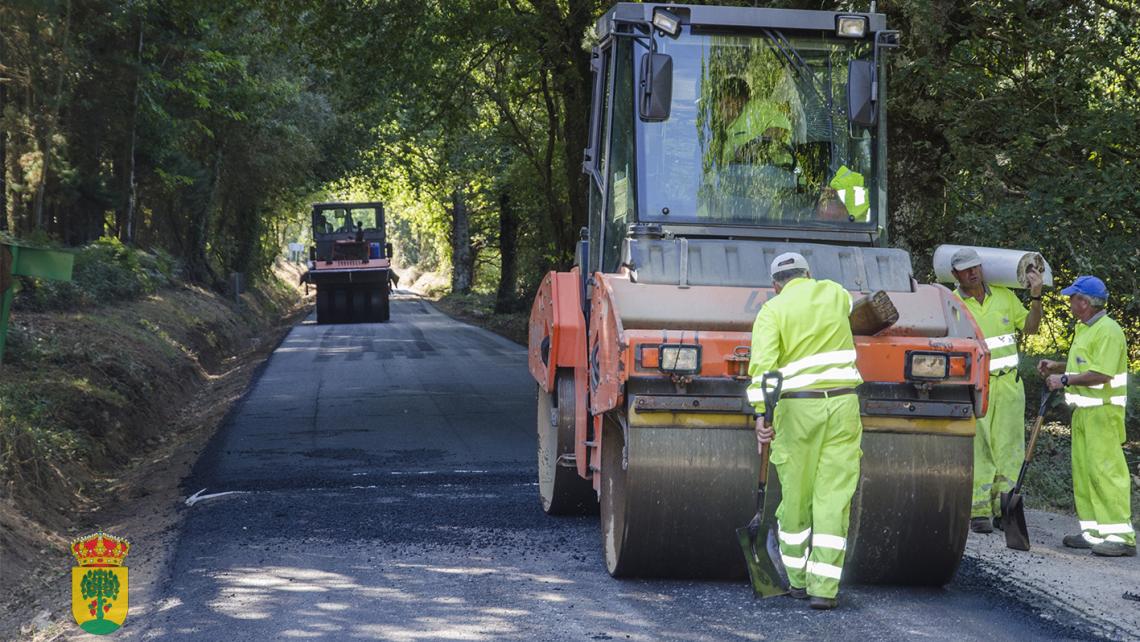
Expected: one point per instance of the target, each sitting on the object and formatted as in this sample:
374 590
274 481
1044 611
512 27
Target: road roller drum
673 493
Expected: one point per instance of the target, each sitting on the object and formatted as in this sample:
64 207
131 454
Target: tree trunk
569 65
575 87
3 153
462 258
505 299
128 183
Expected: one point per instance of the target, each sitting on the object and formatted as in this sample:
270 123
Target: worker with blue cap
1095 381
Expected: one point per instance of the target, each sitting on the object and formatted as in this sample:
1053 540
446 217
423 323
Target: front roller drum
672 498
911 512
560 489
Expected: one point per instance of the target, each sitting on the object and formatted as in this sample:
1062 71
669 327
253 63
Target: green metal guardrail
17 260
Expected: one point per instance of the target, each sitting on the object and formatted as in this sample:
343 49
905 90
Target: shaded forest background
201 130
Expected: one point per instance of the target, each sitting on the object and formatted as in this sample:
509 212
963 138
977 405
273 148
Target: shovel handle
764 452
1045 398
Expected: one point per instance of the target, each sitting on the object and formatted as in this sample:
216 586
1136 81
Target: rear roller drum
560 488
911 512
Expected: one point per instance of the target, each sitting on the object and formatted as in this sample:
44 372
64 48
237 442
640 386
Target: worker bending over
1095 381
999 443
804 333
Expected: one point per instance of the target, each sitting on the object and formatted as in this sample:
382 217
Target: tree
506 297
101 586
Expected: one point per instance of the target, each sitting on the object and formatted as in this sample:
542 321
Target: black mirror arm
884 40
641 38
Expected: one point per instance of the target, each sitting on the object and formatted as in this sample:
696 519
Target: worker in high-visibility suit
804 333
758 129
999 440
1095 381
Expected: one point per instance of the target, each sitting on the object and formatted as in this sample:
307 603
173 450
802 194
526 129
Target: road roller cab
349 263
721 137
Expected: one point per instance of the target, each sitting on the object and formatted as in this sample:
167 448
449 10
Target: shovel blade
1013 521
762 571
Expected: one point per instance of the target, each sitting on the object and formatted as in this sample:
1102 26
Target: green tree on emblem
100 586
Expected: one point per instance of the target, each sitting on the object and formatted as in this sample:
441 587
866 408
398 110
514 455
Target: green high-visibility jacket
1000 316
804 332
1099 347
852 192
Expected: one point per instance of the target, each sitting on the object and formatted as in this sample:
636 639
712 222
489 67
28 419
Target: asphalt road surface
378 482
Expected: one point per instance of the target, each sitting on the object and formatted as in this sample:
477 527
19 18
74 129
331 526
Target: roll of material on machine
999 267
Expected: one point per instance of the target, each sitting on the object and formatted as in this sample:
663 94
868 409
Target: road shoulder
150 505
1062 581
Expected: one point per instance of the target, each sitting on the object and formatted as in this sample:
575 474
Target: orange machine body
630 321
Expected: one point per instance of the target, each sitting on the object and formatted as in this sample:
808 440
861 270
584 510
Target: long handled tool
1012 506
765 568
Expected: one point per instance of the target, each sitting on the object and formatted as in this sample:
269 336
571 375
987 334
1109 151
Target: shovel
1012 506
765 568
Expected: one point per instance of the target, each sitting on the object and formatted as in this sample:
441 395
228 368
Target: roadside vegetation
96 380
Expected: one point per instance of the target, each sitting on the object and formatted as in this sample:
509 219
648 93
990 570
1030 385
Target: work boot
822 603
798 593
1076 541
981 525
1114 549
997 522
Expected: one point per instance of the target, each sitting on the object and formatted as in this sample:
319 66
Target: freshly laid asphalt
378 482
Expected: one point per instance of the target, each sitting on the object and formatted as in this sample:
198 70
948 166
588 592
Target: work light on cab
850 26
667 22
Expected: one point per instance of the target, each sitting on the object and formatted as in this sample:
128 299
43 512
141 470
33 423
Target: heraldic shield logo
99 583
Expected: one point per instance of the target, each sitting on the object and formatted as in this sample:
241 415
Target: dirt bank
102 411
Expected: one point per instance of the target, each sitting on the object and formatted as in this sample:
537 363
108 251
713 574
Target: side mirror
656 86
861 92
387 250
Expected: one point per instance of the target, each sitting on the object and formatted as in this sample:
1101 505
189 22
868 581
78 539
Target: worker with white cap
804 333
1095 381
999 443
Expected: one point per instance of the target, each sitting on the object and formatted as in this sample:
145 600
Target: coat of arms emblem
99 583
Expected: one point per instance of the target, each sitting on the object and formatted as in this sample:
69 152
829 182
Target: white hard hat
788 261
965 258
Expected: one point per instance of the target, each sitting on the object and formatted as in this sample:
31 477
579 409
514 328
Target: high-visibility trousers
1101 483
999 445
816 453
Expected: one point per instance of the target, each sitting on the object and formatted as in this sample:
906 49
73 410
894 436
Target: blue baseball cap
1088 286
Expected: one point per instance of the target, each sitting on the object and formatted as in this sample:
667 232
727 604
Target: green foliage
1018 125
105 271
100 583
